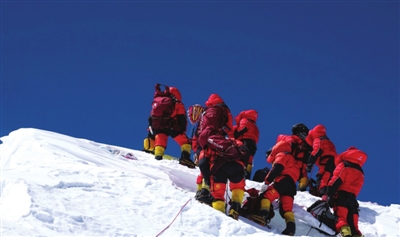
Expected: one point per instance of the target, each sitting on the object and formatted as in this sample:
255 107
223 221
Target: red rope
161 232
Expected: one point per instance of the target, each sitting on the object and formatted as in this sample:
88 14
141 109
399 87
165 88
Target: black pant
232 171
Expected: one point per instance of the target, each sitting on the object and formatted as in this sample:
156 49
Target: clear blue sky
88 70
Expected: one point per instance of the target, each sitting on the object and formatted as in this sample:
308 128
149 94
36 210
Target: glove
237 133
309 168
325 198
303 183
268 152
264 188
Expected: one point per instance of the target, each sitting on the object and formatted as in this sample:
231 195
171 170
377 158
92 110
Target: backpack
162 108
226 150
259 175
224 147
323 213
215 117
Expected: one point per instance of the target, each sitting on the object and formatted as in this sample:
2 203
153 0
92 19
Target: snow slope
53 184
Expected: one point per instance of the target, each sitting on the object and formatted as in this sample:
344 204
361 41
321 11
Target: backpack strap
353 165
323 138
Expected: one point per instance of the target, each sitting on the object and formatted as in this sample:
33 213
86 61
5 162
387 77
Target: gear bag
322 212
215 117
259 175
162 108
226 148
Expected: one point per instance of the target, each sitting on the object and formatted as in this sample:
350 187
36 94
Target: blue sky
88 70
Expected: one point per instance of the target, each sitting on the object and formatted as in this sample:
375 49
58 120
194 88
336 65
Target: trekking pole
193 129
226 197
191 137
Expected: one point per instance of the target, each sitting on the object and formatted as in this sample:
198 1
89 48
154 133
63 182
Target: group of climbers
224 152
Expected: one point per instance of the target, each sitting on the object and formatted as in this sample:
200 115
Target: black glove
309 168
237 134
268 152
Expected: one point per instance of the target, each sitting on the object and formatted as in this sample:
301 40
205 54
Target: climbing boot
219 205
159 152
185 157
234 210
290 229
290 225
345 231
205 195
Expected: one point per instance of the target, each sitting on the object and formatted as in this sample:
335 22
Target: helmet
194 113
300 130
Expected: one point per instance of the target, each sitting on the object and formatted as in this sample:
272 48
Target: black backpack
259 175
323 213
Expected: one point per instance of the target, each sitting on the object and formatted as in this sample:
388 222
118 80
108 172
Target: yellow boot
303 184
185 156
237 195
237 198
265 205
219 205
345 231
199 186
159 152
186 147
290 224
263 216
204 195
205 185
264 209
148 145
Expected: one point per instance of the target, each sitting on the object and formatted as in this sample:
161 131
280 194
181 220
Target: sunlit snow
53 184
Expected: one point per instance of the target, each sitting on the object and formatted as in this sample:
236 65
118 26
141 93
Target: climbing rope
162 231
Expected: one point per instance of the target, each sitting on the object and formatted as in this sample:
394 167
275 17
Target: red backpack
227 150
215 117
212 121
162 107
163 104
